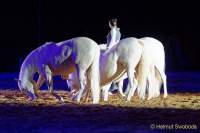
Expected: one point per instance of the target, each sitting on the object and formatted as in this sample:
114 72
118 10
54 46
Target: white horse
150 68
154 60
80 54
122 58
119 83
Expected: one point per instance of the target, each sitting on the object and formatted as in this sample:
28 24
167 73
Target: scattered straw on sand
177 100
47 114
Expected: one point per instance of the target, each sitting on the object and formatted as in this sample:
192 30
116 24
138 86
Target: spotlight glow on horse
81 53
141 60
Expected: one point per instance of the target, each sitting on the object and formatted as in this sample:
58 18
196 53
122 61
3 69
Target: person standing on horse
114 35
113 38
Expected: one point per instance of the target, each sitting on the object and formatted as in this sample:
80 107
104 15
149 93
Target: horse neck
27 71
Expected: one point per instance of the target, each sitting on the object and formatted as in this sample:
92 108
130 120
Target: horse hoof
149 98
157 95
122 94
75 99
32 99
127 100
165 96
95 102
142 98
105 101
110 93
61 99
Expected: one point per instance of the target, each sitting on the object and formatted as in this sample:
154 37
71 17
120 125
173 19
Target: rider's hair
113 22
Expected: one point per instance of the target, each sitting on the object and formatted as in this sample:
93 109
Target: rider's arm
113 37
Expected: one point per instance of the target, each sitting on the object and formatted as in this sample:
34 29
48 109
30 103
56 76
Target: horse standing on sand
141 60
153 69
115 62
80 54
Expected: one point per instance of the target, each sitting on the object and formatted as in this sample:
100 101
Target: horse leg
151 78
164 79
34 87
30 90
87 91
105 90
49 81
87 94
82 81
158 82
132 82
120 86
127 89
48 78
39 83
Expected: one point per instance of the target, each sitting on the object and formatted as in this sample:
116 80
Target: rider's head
112 22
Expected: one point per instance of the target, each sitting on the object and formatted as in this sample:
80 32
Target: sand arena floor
47 114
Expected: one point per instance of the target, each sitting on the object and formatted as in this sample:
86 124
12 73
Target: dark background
25 25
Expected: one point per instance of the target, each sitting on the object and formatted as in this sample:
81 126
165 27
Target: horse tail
158 81
142 73
160 72
95 77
